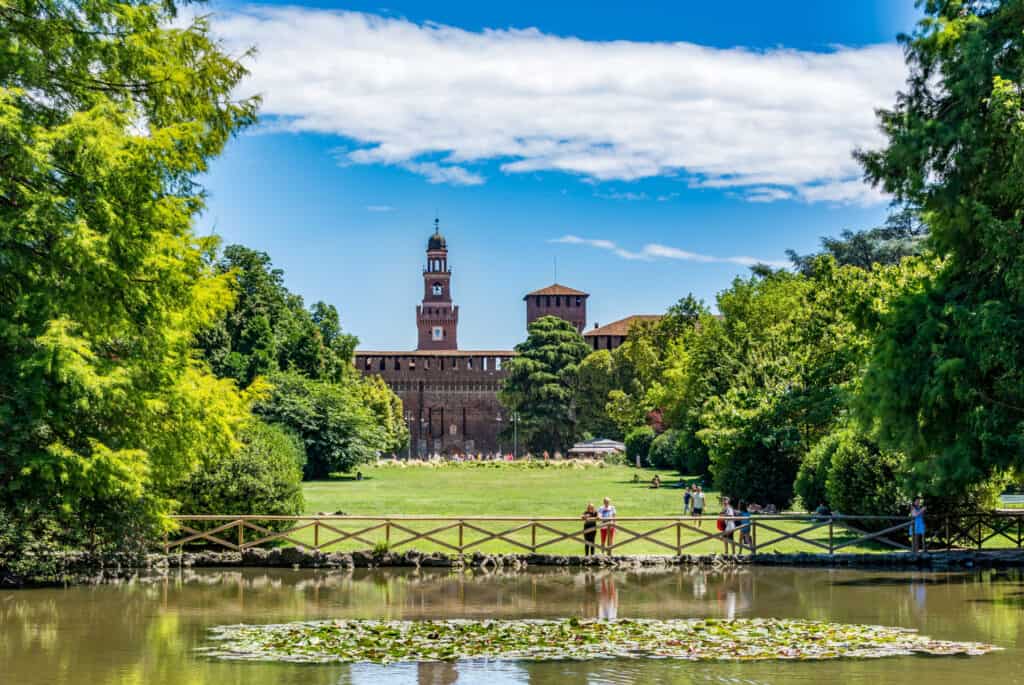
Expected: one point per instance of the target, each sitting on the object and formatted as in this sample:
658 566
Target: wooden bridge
639 535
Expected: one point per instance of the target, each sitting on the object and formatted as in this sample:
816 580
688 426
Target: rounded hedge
263 476
862 479
638 443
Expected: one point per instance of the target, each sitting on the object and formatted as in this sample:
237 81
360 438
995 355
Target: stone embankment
301 558
87 568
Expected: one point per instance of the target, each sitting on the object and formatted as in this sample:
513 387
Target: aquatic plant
690 639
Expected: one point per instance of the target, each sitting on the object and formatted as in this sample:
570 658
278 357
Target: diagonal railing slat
994 530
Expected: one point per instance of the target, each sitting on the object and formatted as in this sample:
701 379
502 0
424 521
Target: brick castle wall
571 308
450 397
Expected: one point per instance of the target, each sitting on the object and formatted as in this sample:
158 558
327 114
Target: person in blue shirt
746 539
917 510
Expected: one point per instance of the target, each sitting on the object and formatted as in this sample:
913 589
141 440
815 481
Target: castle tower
437 320
558 300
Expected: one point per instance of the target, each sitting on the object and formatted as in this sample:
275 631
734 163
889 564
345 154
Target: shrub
756 460
263 476
638 443
813 472
665 452
862 479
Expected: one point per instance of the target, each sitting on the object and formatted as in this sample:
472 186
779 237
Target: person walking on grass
697 504
686 501
917 509
607 515
589 528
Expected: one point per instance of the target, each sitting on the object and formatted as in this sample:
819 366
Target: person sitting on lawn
656 482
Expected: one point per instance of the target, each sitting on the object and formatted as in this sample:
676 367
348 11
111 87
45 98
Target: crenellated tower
437 320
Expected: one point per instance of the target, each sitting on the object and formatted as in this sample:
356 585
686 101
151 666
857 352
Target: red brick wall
571 308
443 391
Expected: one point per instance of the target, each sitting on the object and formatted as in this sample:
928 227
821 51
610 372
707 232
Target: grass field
515 490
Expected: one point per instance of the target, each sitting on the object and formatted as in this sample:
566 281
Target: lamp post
408 421
515 433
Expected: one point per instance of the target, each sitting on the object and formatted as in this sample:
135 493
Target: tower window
579 301
437 289
538 300
437 333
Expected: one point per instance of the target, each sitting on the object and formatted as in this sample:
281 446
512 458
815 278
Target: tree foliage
542 383
107 114
269 329
902 235
338 423
262 476
946 380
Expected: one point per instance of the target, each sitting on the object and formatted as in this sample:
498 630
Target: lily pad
756 639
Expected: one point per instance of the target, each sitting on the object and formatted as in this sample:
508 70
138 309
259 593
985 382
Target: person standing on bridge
917 510
607 515
589 528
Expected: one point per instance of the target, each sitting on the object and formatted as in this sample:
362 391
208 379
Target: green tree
638 444
108 111
596 381
269 329
945 383
902 235
542 383
263 476
338 427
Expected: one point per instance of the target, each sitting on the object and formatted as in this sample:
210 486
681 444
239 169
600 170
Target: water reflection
146 631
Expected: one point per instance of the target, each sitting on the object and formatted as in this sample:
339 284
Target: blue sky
653 149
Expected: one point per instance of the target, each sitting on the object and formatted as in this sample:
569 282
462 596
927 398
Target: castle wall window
383 364
398 364
484 362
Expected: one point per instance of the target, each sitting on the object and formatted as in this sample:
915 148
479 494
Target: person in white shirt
697 502
607 515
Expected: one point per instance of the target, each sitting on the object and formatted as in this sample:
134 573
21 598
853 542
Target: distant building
614 334
596 449
558 300
450 396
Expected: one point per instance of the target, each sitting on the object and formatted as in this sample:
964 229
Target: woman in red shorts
607 515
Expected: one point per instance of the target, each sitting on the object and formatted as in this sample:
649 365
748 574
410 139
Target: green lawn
469 490
504 490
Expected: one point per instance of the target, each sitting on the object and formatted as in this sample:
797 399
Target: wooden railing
674 535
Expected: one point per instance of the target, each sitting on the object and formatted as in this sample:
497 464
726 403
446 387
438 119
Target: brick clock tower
437 320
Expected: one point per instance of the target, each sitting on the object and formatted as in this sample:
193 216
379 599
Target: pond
148 631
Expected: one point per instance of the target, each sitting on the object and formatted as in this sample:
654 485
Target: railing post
949 540
241 534
979 532
753 535
387 533
167 549
460 536
316 534
533 537
831 540
679 538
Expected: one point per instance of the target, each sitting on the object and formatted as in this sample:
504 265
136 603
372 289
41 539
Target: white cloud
436 100
652 251
379 208
619 195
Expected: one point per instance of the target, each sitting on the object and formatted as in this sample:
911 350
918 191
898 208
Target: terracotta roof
622 326
556 289
435 353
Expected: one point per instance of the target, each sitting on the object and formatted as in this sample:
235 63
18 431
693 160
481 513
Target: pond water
146 632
